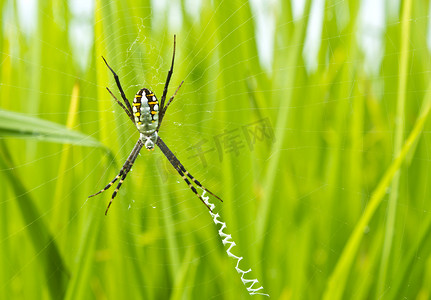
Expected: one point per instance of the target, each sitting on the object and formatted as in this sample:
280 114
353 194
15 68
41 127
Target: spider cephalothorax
147 116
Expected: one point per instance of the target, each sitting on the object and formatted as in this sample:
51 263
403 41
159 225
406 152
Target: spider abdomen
146 111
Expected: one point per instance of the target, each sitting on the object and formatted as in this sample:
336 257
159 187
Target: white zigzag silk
227 239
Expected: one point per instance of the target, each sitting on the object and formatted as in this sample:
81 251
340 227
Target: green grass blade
282 118
337 281
399 130
421 248
84 259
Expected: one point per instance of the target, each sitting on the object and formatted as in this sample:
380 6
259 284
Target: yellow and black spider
147 116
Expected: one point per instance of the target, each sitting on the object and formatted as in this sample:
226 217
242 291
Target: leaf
19 125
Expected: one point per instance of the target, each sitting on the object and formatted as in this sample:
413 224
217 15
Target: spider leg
116 190
183 176
197 182
122 106
109 184
117 80
163 111
168 79
182 171
123 172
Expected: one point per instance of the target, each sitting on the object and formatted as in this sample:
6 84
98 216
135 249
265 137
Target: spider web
153 189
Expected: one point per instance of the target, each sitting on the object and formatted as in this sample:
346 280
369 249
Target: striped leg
123 173
197 182
182 171
109 184
116 190
183 176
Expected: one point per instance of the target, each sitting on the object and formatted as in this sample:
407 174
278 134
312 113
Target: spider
147 116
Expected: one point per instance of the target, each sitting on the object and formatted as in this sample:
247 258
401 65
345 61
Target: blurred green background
308 118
